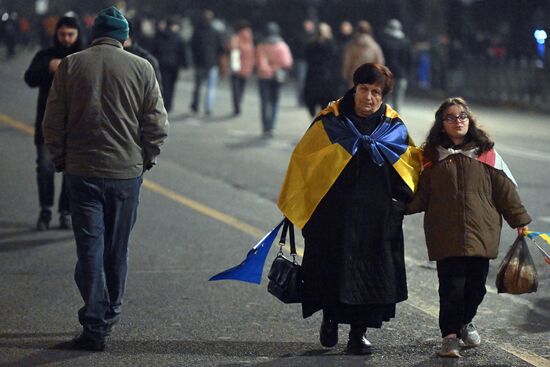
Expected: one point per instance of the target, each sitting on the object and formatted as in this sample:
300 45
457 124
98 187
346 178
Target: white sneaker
470 336
450 348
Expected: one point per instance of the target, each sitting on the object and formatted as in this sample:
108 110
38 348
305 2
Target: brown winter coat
465 201
361 49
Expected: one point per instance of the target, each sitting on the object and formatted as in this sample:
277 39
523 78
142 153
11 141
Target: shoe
328 334
469 335
86 342
267 134
358 345
44 219
450 348
65 220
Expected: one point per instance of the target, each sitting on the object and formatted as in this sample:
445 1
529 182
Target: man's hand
54 64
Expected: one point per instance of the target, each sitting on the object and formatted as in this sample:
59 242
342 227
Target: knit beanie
110 23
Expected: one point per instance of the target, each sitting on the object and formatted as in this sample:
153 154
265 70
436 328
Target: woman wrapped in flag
464 190
346 187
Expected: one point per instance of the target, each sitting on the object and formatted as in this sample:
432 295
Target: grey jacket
105 116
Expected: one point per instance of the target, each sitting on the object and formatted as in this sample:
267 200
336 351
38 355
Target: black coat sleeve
38 72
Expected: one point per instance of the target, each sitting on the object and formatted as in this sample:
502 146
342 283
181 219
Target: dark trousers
238 84
169 79
45 173
269 98
103 213
461 291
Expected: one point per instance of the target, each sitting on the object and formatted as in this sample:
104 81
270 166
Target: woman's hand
522 230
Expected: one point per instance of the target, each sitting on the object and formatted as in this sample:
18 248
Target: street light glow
540 36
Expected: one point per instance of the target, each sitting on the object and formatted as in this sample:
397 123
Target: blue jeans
269 97
103 213
211 77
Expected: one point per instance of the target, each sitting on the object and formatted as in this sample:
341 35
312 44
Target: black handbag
285 278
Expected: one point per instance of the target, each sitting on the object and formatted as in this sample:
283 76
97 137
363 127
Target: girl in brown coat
464 190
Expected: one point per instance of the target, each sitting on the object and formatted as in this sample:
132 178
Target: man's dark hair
69 22
437 136
371 73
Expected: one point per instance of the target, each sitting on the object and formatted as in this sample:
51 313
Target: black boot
358 343
329 332
86 342
65 220
44 219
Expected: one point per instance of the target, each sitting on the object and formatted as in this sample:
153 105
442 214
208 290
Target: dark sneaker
65 220
44 219
86 342
359 345
469 335
328 334
450 348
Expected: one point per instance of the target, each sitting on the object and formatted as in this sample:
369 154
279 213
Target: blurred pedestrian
397 53
103 140
273 60
304 37
464 190
132 46
11 32
343 37
66 41
207 48
169 49
241 61
349 196
322 82
363 48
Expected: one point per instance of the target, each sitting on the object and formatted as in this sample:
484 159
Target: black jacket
38 75
397 53
170 50
206 46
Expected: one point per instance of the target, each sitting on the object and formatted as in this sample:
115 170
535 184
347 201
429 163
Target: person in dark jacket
353 266
322 82
207 48
397 52
133 47
169 49
67 40
465 190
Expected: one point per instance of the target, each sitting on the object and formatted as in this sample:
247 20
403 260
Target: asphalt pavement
211 197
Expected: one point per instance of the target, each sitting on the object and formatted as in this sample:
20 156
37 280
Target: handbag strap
288 227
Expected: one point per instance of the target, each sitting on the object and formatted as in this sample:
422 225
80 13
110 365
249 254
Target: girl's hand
521 230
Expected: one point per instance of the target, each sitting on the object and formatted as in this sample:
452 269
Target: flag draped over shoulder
328 146
490 158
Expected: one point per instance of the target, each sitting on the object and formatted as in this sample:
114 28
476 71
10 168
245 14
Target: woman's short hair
371 73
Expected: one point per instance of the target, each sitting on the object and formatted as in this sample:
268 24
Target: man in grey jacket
104 124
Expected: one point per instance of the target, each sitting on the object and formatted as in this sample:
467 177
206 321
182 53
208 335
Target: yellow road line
203 209
430 310
17 124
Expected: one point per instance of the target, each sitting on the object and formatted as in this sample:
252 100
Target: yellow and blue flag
546 237
250 270
328 146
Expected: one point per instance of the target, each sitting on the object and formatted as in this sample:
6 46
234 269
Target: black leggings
461 291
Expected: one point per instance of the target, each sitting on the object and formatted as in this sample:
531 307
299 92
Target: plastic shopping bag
517 273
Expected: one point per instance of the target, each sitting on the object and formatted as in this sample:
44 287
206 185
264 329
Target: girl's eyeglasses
452 119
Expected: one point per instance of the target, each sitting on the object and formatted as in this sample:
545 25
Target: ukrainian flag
328 146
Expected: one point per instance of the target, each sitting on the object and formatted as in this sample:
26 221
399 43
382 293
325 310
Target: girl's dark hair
69 22
437 136
371 73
